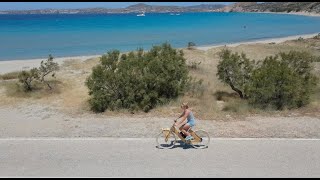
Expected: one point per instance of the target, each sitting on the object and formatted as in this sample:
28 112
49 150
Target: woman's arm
183 119
179 116
182 114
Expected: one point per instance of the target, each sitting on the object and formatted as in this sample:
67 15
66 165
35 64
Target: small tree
27 77
302 64
235 70
284 80
38 74
191 45
46 68
300 39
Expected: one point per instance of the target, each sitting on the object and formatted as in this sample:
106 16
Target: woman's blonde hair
185 104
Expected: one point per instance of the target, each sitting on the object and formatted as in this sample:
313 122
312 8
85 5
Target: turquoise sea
36 36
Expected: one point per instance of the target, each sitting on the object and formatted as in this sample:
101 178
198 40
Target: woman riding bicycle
187 121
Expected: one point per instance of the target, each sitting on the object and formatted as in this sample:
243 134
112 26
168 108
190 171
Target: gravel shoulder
38 120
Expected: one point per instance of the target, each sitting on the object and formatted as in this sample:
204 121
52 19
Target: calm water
36 36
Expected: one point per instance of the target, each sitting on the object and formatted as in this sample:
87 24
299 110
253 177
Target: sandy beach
271 40
18 65
294 13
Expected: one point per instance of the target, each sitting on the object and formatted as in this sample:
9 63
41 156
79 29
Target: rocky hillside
197 8
137 8
310 7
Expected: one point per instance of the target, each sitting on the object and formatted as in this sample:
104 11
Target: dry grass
10 75
14 89
217 102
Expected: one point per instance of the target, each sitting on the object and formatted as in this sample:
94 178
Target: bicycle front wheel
166 140
202 141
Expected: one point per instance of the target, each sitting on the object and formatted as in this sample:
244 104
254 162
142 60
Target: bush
317 59
46 68
27 78
235 70
191 45
284 80
281 81
139 80
300 39
317 36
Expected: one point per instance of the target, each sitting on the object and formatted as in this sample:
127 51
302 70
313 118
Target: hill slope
310 7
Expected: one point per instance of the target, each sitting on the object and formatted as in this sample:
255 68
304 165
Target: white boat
142 14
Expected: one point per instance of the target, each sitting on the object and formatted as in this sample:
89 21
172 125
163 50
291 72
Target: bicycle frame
176 131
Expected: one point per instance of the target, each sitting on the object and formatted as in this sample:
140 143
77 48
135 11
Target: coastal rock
237 7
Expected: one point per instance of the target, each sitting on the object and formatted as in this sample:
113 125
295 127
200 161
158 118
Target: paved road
110 157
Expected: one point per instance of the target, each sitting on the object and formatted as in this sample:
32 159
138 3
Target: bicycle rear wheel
163 143
204 139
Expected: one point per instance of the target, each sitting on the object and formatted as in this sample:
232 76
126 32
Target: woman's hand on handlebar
175 122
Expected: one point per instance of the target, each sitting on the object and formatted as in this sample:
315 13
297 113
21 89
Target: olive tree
235 70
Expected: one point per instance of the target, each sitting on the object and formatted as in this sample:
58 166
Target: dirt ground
67 114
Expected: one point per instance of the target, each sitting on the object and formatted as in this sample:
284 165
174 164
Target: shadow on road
180 144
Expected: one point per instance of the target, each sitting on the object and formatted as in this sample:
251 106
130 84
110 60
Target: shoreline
259 41
310 14
26 64
7 66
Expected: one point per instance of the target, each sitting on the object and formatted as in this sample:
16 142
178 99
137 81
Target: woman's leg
185 128
181 127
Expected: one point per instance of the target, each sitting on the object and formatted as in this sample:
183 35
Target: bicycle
200 139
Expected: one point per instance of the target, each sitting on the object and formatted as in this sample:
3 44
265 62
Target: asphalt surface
121 157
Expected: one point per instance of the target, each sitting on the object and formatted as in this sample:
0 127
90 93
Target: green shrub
317 36
300 39
139 80
47 67
27 78
283 81
235 70
191 45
